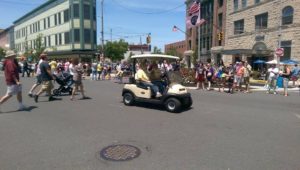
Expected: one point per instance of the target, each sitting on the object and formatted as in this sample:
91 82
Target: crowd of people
233 77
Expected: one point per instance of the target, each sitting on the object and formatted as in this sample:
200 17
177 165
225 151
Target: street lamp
102 26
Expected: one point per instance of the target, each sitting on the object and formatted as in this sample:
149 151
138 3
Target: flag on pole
175 29
195 7
200 21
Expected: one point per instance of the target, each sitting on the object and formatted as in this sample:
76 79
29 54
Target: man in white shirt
38 73
272 80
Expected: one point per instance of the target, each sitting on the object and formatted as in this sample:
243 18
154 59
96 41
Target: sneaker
30 94
22 108
36 98
85 98
158 95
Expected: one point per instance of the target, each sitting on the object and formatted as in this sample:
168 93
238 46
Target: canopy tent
259 62
290 62
272 62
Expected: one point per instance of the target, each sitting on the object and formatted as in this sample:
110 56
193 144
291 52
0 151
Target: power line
148 13
18 2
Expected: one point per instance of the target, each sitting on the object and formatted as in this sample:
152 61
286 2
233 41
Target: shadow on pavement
28 109
158 107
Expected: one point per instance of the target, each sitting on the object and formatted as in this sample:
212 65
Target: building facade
7 38
67 28
179 47
136 50
256 28
212 32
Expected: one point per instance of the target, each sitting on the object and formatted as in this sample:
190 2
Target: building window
67 37
287 46
38 25
244 3
257 1
56 39
49 41
87 36
76 10
220 21
55 19
76 35
86 13
236 5
45 24
45 42
261 21
66 16
59 18
94 13
95 37
239 27
49 22
220 2
59 39
287 15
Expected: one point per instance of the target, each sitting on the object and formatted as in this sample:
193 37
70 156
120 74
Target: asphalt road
221 132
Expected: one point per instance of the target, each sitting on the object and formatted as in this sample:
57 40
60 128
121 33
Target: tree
156 50
172 51
39 48
2 53
115 50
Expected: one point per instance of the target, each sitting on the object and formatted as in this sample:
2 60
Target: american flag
200 21
195 7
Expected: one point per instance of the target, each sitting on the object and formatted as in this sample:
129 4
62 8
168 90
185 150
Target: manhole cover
120 153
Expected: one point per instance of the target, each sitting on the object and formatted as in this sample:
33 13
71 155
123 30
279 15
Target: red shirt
11 72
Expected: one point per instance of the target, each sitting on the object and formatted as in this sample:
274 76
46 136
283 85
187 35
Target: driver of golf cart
142 78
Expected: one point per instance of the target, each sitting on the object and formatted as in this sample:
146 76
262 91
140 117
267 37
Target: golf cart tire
173 105
128 98
189 103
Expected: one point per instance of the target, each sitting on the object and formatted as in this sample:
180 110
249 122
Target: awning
189 52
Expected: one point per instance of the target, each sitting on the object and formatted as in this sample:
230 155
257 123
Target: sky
126 19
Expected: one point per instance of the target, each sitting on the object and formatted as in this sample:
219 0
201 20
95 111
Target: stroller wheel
56 92
70 91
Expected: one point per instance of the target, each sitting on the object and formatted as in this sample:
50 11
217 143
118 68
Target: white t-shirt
38 70
71 69
273 72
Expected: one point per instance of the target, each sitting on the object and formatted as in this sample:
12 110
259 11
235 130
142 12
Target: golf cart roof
154 56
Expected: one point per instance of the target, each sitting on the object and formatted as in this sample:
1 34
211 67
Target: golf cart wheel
56 92
128 99
173 105
189 103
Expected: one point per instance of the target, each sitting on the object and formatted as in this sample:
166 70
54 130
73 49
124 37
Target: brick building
211 44
179 46
7 38
255 28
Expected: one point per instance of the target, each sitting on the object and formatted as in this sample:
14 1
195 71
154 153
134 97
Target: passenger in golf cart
143 80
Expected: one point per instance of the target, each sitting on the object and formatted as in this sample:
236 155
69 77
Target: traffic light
148 39
220 36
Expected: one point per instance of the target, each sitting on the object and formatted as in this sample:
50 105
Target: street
254 131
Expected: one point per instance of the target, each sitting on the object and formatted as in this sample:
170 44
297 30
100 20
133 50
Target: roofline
34 10
154 56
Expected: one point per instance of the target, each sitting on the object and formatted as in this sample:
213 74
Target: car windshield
175 77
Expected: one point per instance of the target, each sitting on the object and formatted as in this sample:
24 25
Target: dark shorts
77 82
38 80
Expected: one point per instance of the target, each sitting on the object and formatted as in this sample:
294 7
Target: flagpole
199 15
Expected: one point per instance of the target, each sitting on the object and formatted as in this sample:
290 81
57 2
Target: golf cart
174 96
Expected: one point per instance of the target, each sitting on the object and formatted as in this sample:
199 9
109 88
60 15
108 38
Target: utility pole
141 44
102 27
111 35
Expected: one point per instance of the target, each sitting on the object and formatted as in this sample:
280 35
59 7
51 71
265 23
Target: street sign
279 52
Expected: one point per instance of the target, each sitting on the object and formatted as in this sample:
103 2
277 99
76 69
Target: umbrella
259 62
290 62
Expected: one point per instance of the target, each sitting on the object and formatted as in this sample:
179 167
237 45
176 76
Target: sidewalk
256 89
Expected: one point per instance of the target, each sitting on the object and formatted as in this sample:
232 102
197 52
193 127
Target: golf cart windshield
175 77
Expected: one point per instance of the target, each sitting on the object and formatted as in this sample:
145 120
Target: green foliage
40 46
115 50
156 50
172 51
2 53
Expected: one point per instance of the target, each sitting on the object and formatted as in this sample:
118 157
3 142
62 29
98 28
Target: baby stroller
65 81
